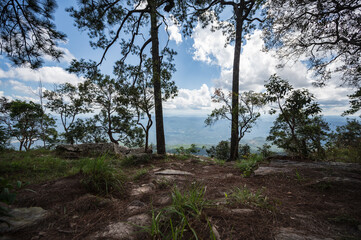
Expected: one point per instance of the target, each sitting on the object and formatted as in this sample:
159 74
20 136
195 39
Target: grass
243 195
183 218
135 160
140 174
34 166
101 177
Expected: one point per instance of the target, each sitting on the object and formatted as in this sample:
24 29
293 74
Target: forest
59 181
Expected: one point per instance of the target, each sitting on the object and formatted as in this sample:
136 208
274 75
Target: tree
250 104
298 128
27 31
87 131
355 103
67 101
110 97
23 121
236 27
108 21
141 92
325 32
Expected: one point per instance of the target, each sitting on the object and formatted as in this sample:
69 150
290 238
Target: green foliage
101 178
135 160
67 101
243 195
221 151
141 173
299 129
345 144
87 131
265 150
249 109
249 164
355 103
24 121
244 151
34 166
178 221
28 32
187 151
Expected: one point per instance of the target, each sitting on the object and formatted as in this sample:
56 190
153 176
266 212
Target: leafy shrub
249 164
221 151
101 178
140 174
187 151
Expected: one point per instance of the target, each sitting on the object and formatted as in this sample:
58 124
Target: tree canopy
27 31
325 33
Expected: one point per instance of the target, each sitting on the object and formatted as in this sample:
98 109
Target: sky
203 63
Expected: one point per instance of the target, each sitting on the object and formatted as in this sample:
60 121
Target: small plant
140 174
101 178
265 150
7 197
179 220
245 196
249 165
299 176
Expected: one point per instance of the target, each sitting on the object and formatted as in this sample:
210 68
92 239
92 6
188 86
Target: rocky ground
308 200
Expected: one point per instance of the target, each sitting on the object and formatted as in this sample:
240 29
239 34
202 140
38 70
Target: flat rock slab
242 211
145 188
124 230
293 234
22 217
263 171
172 172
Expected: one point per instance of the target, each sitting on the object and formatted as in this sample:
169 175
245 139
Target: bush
136 160
101 178
221 151
265 150
249 164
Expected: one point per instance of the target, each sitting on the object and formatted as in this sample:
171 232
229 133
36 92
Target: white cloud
67 57
256 66
174 30
191 100
54 75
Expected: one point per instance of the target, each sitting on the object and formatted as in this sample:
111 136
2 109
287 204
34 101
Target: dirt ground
317 201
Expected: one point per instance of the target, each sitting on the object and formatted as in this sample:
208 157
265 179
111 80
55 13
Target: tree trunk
235 86
156 78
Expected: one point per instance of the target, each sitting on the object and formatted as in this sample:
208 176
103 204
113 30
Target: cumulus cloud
192 101
67 57
256 66
56 75
174 30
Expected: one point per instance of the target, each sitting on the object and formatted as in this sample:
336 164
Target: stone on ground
172 172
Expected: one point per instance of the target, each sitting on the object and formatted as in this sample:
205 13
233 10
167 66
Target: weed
140 174
100 177
162 183
345 219
322 186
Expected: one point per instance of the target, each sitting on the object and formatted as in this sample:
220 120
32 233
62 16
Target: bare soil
320 200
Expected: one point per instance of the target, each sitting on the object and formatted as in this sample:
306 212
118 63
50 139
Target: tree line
326 32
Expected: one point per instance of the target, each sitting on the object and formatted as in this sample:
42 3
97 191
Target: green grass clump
34 166
249 164
140 174
183 217
101 177
243 195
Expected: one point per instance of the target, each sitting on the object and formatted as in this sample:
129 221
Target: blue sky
203 63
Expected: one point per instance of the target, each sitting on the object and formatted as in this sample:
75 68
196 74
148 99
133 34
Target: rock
263 171
172 172
242 211
22 217
145 188
124 230
135 206
292 234
96 149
